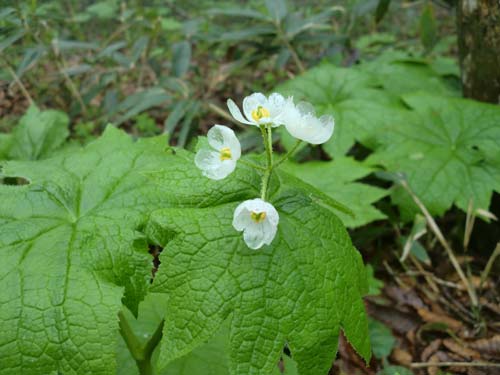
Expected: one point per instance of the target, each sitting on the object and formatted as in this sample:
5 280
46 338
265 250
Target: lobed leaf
354 98
337 179
301 290
70 254
449 151
38 135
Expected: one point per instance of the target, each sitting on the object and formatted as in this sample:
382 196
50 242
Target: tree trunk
478 23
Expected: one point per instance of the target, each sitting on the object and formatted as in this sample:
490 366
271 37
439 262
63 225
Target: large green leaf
449 151
352 96
337 179
400 74
300 290
38 135
70 252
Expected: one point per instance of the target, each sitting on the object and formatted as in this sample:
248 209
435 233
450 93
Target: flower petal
220 136
268 232
277 106
254 236
302 124
252 102
290 113
236 113
241 217
206 159
306 108
211 166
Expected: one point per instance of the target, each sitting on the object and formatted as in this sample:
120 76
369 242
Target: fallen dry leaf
490 346
401 357
431 317
437 357
404 296
463 351
430 350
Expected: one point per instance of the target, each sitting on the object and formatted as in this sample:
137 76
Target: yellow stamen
225 153
259 113
258 217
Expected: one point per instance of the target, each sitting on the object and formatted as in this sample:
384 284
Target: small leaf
104 9
181 58
277 9
38 134
77 69
5 12
247 33
112 48
138 102
420 253
64 45
382 8
374 285
418 230
30 58
428 27
8 41
381 338
138 48
174 117
237 12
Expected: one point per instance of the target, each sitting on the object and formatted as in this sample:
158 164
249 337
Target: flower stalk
267 136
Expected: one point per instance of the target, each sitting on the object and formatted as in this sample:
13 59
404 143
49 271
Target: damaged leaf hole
155 252
14 181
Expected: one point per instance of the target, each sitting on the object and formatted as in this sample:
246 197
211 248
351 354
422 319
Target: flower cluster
257 218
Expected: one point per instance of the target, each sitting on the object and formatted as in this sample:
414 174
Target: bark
478 23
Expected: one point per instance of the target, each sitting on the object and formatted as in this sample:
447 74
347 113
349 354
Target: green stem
269 150
145 366
133 344
267 136
265 183
289 153
270 145
141 353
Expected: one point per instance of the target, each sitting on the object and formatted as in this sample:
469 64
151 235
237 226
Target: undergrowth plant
75 236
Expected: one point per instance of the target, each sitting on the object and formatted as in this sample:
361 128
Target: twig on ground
458 364
19 83
489 264
449 251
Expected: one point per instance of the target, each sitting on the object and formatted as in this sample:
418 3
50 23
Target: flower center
259 113
225 153
258 217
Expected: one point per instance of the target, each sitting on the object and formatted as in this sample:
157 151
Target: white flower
258 220
221 161
301 122
259 110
